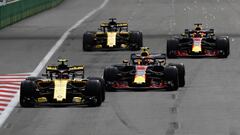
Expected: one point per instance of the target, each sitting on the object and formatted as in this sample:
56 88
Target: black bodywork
158 74
124 39
69 80
211 46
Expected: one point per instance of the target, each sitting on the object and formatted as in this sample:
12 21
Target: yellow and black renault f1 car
145 71
112 36
62 84
198 43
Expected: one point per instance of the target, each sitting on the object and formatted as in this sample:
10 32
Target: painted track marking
58 44
7 80
9 93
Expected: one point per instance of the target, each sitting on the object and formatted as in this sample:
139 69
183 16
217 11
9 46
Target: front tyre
88 41
135 40
172 48
223 46
110 75
94 92
33 78
181 73
27 94
103 85
171 75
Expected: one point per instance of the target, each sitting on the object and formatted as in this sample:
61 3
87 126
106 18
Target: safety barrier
12 13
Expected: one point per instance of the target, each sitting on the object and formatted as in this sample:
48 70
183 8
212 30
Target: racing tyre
103 85
181 73
27 94
172 48
171 74
94 89
88 41
110 75
32 78
223 47
135 40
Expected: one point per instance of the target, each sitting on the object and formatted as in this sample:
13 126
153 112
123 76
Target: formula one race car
63 84
198 42
112 36
145 71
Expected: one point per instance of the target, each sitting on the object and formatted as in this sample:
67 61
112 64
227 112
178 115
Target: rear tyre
181 73
103 85
172 48
223 46
135 40
94 90
88 41
171 74
110 75
27 94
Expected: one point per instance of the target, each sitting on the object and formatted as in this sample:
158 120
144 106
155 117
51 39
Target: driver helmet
198 27
62 65
112 26
145 51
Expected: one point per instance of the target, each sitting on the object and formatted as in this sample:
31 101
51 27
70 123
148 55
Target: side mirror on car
183 35
125 61
162 62
45 75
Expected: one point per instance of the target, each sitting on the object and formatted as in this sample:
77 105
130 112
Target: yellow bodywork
139 79
111 39
106 24
60 89
42 100
196 49
197 45
74 68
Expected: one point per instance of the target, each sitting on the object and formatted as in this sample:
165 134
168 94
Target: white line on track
48 56
63 38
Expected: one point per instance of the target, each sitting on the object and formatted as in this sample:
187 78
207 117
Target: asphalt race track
208 105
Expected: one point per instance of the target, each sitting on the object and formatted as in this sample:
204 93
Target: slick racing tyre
171 74
88 41
94 92
32 78
27 94
103 85
172 48
222 44
181 73
110 75
135 40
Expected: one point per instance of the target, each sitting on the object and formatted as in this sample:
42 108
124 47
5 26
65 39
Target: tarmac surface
209 104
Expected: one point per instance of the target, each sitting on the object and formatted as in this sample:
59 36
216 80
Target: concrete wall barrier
12 13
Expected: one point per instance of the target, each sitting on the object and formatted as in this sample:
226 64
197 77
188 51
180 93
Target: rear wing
157 58
73 70
76 68
51 69
105 24
198 24
120 26
77 71
152 56
208 32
